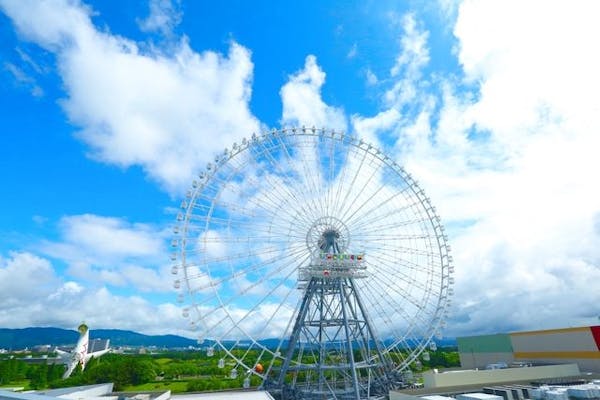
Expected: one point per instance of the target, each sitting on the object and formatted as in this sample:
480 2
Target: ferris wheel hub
328 234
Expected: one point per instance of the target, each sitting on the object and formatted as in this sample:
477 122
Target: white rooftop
104 392
478 396
229 395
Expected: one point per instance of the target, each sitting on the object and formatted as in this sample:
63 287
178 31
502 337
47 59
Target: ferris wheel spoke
252 310
278 195
378 206
299 203
229 240
391 289
244 291
331 177
271 231
400 338
342 204
374 237
379 287
376 216
392 329
307 172
248 288
282 196
387 225
397 249
423 304
403 278
217 282
274 231
394 263
219 259
362 204
411 283
267 203
224 205
335 190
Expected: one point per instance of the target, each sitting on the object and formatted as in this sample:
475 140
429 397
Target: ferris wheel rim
367 149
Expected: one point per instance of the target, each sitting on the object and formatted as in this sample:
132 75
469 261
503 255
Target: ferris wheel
309 262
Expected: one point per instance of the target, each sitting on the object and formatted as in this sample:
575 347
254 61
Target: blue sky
109 109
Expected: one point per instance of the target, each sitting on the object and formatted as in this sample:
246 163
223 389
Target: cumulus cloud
107 238
407 69
67 307
533 244
32 294
368 128
168 113
112 251
302 102
506 151
20 273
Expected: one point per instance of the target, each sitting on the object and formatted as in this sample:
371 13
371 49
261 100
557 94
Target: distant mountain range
16 339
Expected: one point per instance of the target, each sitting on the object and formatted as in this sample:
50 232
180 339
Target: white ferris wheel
312 264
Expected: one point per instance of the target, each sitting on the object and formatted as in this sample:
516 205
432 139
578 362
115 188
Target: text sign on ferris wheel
340 259
329 266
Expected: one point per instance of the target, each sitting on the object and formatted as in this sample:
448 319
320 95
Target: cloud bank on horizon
502 135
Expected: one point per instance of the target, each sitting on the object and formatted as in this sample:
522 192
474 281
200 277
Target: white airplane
80 355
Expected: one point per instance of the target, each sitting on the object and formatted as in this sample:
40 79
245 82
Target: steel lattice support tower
333 352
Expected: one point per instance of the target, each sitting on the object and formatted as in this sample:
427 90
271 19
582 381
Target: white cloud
110 236
23 278
415 53
407 69
211 243
510 163
533 244
302 102
111 251
371 77
352 52
168 114
369 127
24 79
508 157
32 294
164 17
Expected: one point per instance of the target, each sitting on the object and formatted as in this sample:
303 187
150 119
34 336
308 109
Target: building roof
227 395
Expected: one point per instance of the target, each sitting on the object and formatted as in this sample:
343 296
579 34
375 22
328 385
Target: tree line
194 369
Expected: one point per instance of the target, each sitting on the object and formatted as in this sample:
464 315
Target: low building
579 345
433 379
104 391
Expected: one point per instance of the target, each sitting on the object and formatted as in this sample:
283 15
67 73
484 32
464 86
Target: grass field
23 385
173 386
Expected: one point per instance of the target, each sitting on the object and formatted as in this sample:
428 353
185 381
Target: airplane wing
95 354
98 353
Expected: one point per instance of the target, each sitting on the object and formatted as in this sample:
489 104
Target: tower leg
330 331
